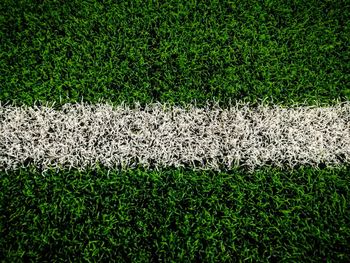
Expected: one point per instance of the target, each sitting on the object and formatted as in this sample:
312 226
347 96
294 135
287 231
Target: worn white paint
80 135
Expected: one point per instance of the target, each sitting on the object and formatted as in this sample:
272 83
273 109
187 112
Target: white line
80 135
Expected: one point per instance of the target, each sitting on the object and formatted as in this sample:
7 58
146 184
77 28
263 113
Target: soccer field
271 184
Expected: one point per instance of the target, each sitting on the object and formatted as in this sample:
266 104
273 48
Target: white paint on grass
80 135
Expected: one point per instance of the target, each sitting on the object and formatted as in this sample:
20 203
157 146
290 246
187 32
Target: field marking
81 135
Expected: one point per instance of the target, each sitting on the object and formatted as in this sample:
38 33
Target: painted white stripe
79 135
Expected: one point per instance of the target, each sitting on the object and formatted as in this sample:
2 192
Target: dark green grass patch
174 51
175 216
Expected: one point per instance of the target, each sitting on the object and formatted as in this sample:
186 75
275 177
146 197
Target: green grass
174 51
176 216
283 52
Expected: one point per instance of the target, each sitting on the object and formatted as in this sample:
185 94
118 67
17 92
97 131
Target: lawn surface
176 215
179 52
174 51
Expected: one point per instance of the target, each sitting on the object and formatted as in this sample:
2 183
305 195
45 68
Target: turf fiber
176 216
282 52
174 51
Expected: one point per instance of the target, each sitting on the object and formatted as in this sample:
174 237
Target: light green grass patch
175 215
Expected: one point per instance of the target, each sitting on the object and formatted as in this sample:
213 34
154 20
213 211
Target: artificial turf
174 51
283 52
176 215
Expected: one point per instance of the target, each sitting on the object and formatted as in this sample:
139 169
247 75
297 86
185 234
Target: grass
174 51
176 215
178 52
